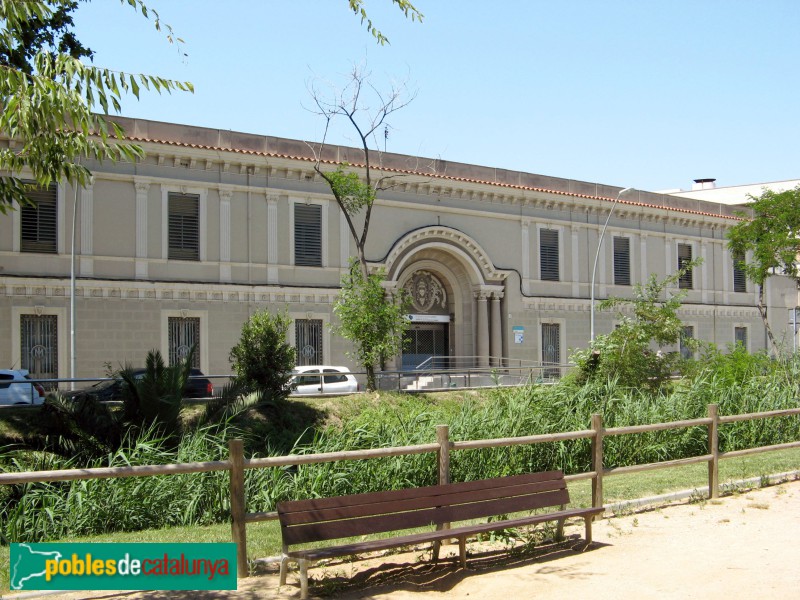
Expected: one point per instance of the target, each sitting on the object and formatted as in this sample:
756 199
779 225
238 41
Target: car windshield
101 385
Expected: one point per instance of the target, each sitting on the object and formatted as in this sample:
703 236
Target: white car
323 379
15 388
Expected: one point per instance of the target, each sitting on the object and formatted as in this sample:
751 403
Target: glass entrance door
425 345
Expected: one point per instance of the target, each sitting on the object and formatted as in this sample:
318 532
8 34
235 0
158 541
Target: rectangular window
184 334
548 251
39 221
740 336
184 226
551 350
622 261
686 281
687 334
739 277
308 235
308 341
39 339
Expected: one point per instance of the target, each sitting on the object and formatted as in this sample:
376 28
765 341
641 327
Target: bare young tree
374 322
366 110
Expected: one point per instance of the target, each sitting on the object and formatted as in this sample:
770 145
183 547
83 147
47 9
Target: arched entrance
456 296
427 340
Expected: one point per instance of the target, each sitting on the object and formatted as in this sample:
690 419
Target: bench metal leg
284 568
560 526
436 545
588 521
462 551
303 564
560 530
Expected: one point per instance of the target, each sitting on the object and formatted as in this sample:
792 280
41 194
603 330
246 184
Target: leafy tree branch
48 98
771 235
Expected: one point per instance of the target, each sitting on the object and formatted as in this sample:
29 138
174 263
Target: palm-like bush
157 395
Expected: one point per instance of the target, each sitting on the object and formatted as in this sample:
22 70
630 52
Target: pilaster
87 235
225 195
142 190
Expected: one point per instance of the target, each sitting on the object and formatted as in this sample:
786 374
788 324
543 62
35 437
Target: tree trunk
762 310
370 377
362 261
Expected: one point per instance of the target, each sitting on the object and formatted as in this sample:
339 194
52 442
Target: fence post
443 439
238 527
713 450
597 461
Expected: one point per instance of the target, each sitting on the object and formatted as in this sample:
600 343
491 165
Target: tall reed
37 512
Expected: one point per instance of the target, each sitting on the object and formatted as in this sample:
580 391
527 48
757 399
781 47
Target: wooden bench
325 519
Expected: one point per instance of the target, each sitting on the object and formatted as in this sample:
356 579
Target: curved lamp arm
597 255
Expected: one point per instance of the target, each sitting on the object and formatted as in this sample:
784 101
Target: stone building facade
181 246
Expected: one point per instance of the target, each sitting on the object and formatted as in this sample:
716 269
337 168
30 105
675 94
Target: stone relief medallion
426 291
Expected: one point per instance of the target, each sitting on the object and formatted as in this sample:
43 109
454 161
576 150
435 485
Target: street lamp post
72 277
597 255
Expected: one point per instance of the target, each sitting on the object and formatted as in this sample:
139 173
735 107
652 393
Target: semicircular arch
464 248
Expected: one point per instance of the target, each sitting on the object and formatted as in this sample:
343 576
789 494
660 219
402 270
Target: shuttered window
184 226
39 222
548 251
551 350
740 336
739 277
622 261
308 235
686 281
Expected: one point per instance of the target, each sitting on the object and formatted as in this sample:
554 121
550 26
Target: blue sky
642 93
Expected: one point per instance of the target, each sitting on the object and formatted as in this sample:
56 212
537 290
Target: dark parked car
198 386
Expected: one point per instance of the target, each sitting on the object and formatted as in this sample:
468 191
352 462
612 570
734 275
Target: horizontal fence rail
459 375
236 464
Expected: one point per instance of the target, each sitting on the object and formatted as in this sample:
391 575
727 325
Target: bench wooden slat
428 501
324 519
420 492
433 536
329 530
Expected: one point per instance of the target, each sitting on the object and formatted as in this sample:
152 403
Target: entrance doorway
426 343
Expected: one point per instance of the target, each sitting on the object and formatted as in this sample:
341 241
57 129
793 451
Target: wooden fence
443 447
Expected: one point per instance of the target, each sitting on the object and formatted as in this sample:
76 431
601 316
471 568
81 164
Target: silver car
16 388
323 379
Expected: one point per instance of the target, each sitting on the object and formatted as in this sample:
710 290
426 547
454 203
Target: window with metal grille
39 221
308 341
308 235
622 261
686 281
39 340
184 334
184 226
739 277
551 349
740 336
548 252
687 333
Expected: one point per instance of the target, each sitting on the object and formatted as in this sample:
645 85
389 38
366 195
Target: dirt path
742 546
